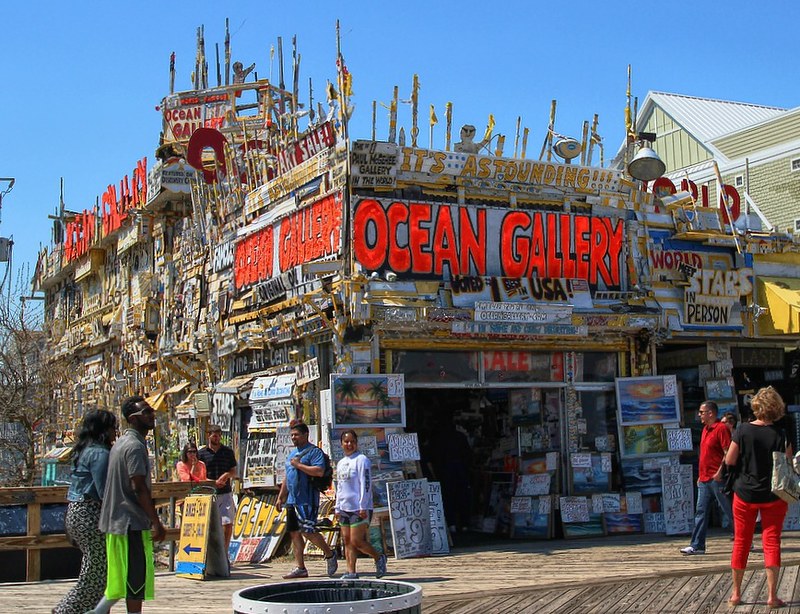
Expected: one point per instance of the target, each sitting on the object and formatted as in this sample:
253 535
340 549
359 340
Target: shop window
436 367
500 367
598 420
596 367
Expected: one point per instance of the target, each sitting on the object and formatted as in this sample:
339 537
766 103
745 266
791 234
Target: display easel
201 552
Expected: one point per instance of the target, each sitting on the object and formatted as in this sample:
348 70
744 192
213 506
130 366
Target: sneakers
332 563
350 576
380 566
690 550
297 572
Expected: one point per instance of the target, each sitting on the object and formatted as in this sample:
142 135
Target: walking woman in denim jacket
87 485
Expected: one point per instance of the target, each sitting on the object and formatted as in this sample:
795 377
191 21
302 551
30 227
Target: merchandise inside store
486 418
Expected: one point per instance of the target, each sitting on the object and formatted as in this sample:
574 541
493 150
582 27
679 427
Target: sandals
778 603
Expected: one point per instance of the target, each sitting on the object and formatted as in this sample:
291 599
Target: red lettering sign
114 207
311 233
663 186
422 239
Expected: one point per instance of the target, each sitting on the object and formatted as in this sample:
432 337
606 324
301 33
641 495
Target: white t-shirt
353 483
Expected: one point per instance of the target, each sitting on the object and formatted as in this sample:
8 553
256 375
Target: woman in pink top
190 468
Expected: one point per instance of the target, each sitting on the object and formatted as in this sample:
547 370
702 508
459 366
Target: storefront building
518 309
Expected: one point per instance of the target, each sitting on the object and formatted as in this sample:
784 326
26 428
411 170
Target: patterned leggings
81 524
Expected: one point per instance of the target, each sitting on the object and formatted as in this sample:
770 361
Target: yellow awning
176 388
781 295
237 384
157 400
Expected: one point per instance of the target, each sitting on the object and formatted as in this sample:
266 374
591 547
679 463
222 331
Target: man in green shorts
128 513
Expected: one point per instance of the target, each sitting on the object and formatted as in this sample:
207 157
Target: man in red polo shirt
714 443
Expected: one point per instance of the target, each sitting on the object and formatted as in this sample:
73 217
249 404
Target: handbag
729 475
784 479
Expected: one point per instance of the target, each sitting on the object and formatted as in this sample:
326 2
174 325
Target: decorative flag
434 119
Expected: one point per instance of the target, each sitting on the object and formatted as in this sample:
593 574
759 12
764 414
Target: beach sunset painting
645 400
368 400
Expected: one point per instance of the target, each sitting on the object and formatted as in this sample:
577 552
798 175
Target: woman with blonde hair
751 450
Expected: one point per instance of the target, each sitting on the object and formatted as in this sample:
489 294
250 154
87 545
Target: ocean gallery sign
306 234
433 239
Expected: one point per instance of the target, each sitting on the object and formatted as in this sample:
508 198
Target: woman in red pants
752 447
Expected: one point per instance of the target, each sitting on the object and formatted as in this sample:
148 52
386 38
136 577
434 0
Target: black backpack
323 482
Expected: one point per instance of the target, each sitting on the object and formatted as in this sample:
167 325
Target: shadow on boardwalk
632 573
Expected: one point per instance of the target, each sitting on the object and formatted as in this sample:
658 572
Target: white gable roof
707 119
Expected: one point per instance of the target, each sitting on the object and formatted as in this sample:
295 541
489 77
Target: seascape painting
588 480
643 440
644 400
644 475
368 400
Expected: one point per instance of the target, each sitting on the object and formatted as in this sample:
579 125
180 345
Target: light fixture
646 165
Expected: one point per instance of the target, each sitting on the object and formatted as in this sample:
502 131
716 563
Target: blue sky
81 80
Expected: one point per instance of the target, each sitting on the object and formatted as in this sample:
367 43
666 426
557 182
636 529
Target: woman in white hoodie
354 505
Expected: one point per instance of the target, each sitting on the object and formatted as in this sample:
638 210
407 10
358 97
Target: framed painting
644 475
645 400
542 463
719 388
626 519
727 405
535 523
579 520
643 440
368 401
591 477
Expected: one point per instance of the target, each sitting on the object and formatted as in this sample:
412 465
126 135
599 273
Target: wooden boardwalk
624 574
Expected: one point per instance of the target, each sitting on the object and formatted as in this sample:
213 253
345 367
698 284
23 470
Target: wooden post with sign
202 545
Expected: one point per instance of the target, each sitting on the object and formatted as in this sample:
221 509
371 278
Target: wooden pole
516 136
592 137
584 143
448 116
393 116
374 117
548 138
280 76
219 68
524 142
227 52
295 86
172 73
414 109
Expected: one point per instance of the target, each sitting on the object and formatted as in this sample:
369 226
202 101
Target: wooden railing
164 494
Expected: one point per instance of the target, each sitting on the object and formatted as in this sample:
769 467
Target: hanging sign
307 372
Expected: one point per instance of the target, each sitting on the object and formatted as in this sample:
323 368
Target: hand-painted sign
713 294
468 290
201 546
410 518
435 240
183 114
379 164
307 234
491 311
80 232
311 144
257 529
